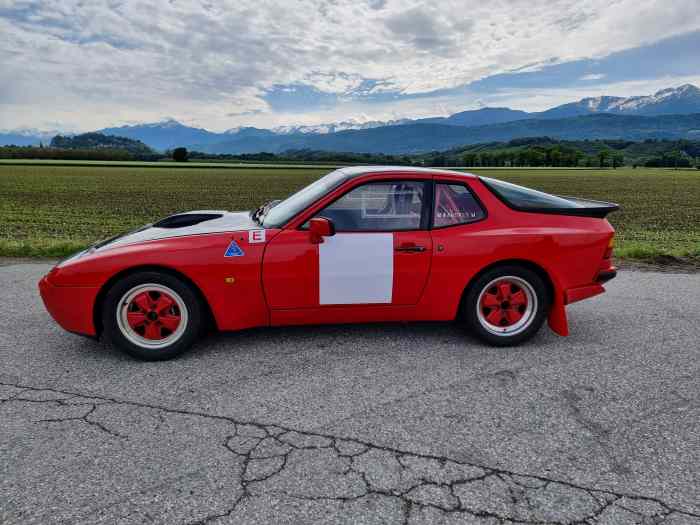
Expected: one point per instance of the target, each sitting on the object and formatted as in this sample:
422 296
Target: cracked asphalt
359 424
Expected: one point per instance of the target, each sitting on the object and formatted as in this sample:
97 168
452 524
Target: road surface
382 423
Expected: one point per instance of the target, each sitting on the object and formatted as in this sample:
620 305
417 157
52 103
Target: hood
190 223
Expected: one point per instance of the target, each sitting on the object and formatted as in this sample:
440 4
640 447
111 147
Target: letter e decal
255 236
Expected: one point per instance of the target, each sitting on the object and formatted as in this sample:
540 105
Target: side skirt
344 315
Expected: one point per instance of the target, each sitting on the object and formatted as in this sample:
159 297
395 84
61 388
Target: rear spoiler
587 208
581 208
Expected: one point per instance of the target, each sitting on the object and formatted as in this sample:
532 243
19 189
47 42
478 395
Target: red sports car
358 245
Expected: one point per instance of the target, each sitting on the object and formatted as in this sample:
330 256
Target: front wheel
151 315
506 305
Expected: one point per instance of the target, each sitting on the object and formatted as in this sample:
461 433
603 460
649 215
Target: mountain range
670 113
26 137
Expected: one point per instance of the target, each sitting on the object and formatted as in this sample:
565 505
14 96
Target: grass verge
40 248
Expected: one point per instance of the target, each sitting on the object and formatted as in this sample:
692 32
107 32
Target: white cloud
593 76
90 63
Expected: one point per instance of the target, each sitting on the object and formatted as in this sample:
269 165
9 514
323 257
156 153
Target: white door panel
356 268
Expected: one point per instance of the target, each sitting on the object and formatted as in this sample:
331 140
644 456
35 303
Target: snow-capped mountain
671 101
26 136
683 99
32 132
334 127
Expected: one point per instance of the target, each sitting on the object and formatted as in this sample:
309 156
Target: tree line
548 152
524 152
537 156
31 152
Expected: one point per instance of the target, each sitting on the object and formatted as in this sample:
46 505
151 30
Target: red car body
276 281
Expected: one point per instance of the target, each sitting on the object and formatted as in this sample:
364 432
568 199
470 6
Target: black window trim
426 207
473 194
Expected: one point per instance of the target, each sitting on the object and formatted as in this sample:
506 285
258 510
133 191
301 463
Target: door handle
410 248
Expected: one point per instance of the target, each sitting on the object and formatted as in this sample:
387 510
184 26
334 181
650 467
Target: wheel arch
533 266
99 299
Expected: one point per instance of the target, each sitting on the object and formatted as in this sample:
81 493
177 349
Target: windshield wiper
256 214
259 214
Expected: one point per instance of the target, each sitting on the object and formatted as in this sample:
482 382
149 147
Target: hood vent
186 219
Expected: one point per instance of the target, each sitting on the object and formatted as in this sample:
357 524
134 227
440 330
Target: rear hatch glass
525 199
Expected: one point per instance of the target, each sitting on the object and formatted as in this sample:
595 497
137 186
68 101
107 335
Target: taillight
609 249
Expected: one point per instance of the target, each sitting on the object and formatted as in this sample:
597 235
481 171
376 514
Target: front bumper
71 307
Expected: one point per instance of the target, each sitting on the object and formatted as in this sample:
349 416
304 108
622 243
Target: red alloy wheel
504 303
151 316
152 313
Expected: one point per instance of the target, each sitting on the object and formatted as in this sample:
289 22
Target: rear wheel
506 305
152 315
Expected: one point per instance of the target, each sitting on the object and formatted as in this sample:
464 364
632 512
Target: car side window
455 204
378 206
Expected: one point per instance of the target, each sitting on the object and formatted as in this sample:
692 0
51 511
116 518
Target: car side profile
359 245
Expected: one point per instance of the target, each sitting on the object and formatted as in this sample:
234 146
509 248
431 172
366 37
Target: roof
356 171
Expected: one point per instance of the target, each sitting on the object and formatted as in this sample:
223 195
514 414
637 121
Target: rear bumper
557 314
580 293
71 306
584 292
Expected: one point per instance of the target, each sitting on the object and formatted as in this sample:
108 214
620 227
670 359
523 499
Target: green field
48 210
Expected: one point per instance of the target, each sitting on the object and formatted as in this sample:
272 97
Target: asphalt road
359 424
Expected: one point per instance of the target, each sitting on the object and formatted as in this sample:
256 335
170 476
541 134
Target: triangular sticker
234 250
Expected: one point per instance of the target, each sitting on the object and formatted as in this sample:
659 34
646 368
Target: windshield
288 208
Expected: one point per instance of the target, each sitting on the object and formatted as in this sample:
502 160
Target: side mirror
320 227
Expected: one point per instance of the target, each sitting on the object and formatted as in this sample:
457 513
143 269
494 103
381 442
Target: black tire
505 331
118 307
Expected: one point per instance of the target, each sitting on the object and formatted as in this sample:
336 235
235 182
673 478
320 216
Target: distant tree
603 156
618 159
180 154
674 159
469 159
438 161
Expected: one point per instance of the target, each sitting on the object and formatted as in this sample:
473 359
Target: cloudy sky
77 65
